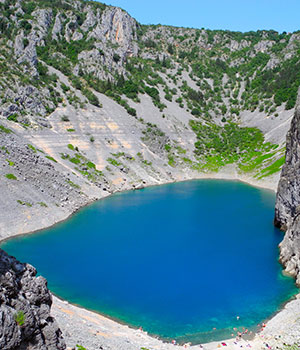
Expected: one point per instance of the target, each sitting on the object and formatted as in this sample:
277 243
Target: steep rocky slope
110 104
288 200
25 321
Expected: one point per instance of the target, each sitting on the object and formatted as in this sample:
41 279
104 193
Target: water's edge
272 185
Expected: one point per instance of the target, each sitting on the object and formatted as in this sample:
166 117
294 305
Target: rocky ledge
25 302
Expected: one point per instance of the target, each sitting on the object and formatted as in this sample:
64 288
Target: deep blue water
178 260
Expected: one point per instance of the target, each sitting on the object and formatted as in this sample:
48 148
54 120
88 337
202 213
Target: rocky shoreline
93 331
227 173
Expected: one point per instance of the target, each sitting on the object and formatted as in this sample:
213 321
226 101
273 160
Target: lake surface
181 260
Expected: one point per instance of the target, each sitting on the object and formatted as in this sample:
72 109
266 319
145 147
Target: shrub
196 112
26 25
65 118
116 57
64 87
42 70
92 98
13 118
20 318
91 165
75 160
25 42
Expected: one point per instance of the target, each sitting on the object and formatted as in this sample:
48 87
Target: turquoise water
181 260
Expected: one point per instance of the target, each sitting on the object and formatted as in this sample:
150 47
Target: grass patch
217 146
42 204
71 130
113 162
273 168
5 130
71 183
253 164
29 205
11 176
75 160
118 155
32 148
52 159
80 347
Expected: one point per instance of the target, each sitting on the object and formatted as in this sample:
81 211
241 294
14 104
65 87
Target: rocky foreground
25 321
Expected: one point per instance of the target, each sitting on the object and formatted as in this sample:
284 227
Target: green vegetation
3 148
113 162
93 99
11 176
32 148
80 347
20 318
71 183
273 168
13 117
29 205
52 159
210 74
217 146
5 130
291 346
75 160
83 165
42 204
10 163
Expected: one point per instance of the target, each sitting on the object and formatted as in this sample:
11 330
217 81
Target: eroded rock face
287 208
288 194
25 302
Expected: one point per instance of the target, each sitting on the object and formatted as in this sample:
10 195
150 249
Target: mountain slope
92 102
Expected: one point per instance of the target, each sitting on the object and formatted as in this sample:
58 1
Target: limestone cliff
25 303
287 208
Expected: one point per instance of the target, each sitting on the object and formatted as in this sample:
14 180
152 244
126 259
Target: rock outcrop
25 302
287 208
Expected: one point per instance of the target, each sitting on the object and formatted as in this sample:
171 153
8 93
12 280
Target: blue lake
181 260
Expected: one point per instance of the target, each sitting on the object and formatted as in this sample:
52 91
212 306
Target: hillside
93 102
106 104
